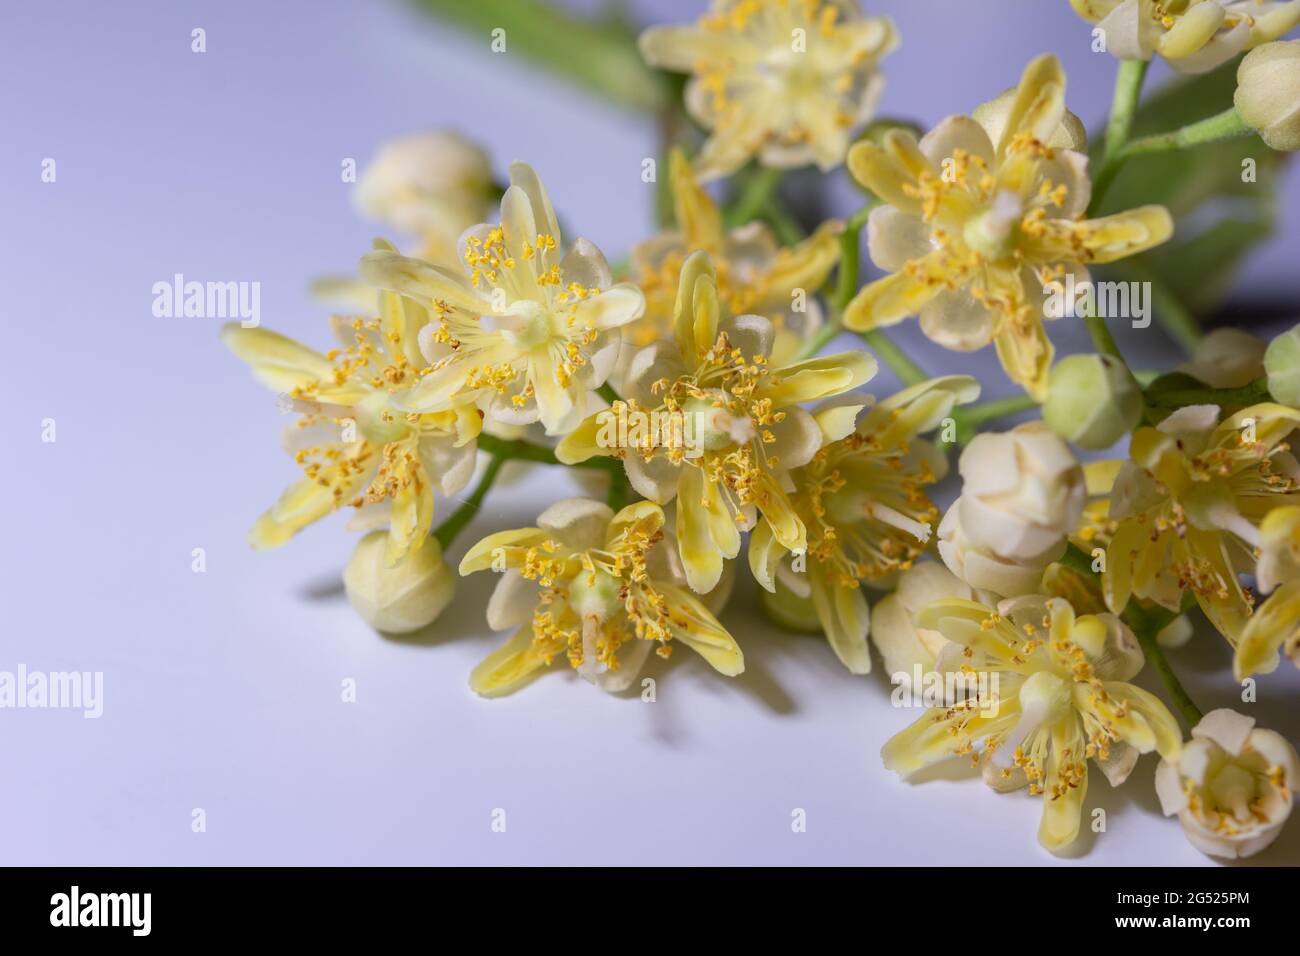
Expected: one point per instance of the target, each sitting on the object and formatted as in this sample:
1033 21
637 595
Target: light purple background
223 689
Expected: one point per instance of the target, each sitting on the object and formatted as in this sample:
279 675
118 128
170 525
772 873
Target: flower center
993 233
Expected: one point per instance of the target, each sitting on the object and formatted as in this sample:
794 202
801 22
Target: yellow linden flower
1054 695
740 429
755 274
528 331
862 501
1188 505
353 446
982 218
784 80
596 587
1195 36
1276 625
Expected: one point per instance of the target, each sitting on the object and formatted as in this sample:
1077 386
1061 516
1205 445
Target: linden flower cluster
692 390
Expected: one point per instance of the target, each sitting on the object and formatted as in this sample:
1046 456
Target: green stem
447 531
832 327
1225 125
1128 89
1102 339
850 257
908 372
754 198
1146 630
1256 391
787 229
607 392
514 449
995 408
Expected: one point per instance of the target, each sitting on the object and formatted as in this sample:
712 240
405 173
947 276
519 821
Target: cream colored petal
302 503
578 523
1227 728
525 177
956 320
276 360
764 553
512 602
615 307
957 133
894 238
798 438
699 630
509 667
683 48
701 559
846 619
816 379
752 334
424 282
656 479
483 554
585 264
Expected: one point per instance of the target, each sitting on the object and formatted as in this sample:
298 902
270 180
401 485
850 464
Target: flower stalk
446 532
1128 90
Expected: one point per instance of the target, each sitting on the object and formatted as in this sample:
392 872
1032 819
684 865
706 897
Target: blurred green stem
1225 125
754 198
1128 90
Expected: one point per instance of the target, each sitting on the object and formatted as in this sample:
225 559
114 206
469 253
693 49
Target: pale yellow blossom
596 588
355 448
977 230
1194 36
1231 786
528 330
784 80
716 376
755 274
862 500
1187 508
1061 698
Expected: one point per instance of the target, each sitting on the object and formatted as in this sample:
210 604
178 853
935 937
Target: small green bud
1282 365
1092 400
790 611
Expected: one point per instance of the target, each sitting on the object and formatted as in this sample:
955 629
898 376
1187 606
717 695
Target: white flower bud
399 599
1092 400
426 184
1022 492
1231 785
1268 93
986 570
